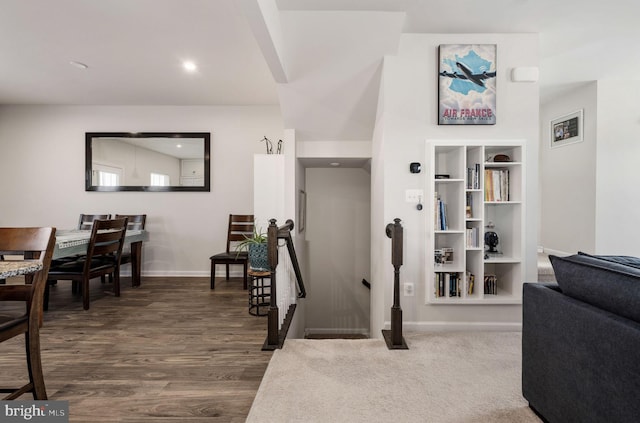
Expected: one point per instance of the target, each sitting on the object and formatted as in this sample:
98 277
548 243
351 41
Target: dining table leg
136 263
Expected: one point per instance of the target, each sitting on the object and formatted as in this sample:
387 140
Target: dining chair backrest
38 244
85 222
103 257
106 242
135 221
240 228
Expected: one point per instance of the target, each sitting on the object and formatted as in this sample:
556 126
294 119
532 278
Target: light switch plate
414 195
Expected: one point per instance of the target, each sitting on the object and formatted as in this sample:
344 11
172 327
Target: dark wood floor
171 350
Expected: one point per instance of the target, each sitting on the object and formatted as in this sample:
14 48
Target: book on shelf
473 237
438 284
490 285
473 177
470 280
469 206
496 185
441 223
454 285
444 280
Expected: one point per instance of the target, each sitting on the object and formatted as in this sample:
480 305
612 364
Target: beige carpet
444 377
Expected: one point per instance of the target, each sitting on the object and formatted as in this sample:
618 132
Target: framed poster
467 84
567 129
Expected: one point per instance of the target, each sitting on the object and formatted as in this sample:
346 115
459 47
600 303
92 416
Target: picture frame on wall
567 129
302 210
467 84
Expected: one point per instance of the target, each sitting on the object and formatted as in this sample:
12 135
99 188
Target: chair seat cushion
231 256
77 266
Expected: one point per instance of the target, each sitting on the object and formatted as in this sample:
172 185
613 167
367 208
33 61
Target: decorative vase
258 259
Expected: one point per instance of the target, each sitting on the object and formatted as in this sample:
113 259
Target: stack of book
444 280
473 237
490 285
473 177
496 185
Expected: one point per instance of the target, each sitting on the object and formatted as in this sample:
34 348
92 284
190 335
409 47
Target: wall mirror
147 161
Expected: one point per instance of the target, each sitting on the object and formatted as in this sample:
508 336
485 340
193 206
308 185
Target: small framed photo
567 129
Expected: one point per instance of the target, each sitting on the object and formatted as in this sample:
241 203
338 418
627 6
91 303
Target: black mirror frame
207 152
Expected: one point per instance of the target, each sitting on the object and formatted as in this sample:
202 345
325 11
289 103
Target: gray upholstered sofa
581 341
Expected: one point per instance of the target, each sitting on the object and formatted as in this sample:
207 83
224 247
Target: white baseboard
184 273
459 326
175 273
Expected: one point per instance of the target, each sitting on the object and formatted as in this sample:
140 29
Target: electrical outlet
408 289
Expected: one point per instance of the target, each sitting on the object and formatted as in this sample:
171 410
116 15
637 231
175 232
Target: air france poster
467 84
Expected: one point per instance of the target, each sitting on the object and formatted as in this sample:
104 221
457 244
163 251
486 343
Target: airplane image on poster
476 78
467 84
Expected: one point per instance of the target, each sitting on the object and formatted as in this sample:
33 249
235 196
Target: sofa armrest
579 363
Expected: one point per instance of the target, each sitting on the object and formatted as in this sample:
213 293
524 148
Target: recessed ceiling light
334 164
189 66
179 145
78 65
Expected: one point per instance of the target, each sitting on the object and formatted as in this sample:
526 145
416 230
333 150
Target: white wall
568 177
408 118
339 245
42 163
589 189
618 179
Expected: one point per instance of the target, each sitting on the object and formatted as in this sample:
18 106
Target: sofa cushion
601 282
626 260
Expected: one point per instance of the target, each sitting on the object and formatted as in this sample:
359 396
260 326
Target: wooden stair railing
275 335
393 337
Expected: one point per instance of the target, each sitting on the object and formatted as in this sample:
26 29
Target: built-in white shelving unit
468 190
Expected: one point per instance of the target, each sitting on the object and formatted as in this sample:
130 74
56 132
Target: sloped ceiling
334 63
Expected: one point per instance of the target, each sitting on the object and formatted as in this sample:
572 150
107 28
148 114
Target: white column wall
409 117
568 177
617 176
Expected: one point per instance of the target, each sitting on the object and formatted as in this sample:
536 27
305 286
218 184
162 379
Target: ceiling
319 60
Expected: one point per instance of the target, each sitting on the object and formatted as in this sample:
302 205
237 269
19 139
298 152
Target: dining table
10 268
70 242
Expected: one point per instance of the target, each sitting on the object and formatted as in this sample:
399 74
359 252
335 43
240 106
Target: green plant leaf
258 237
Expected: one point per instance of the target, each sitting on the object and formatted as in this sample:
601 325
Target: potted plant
256 245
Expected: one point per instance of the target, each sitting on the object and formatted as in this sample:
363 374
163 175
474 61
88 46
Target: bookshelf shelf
477 192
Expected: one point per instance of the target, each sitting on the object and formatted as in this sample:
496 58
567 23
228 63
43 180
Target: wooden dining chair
35 243
85 222
240 228
102 258
135 222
